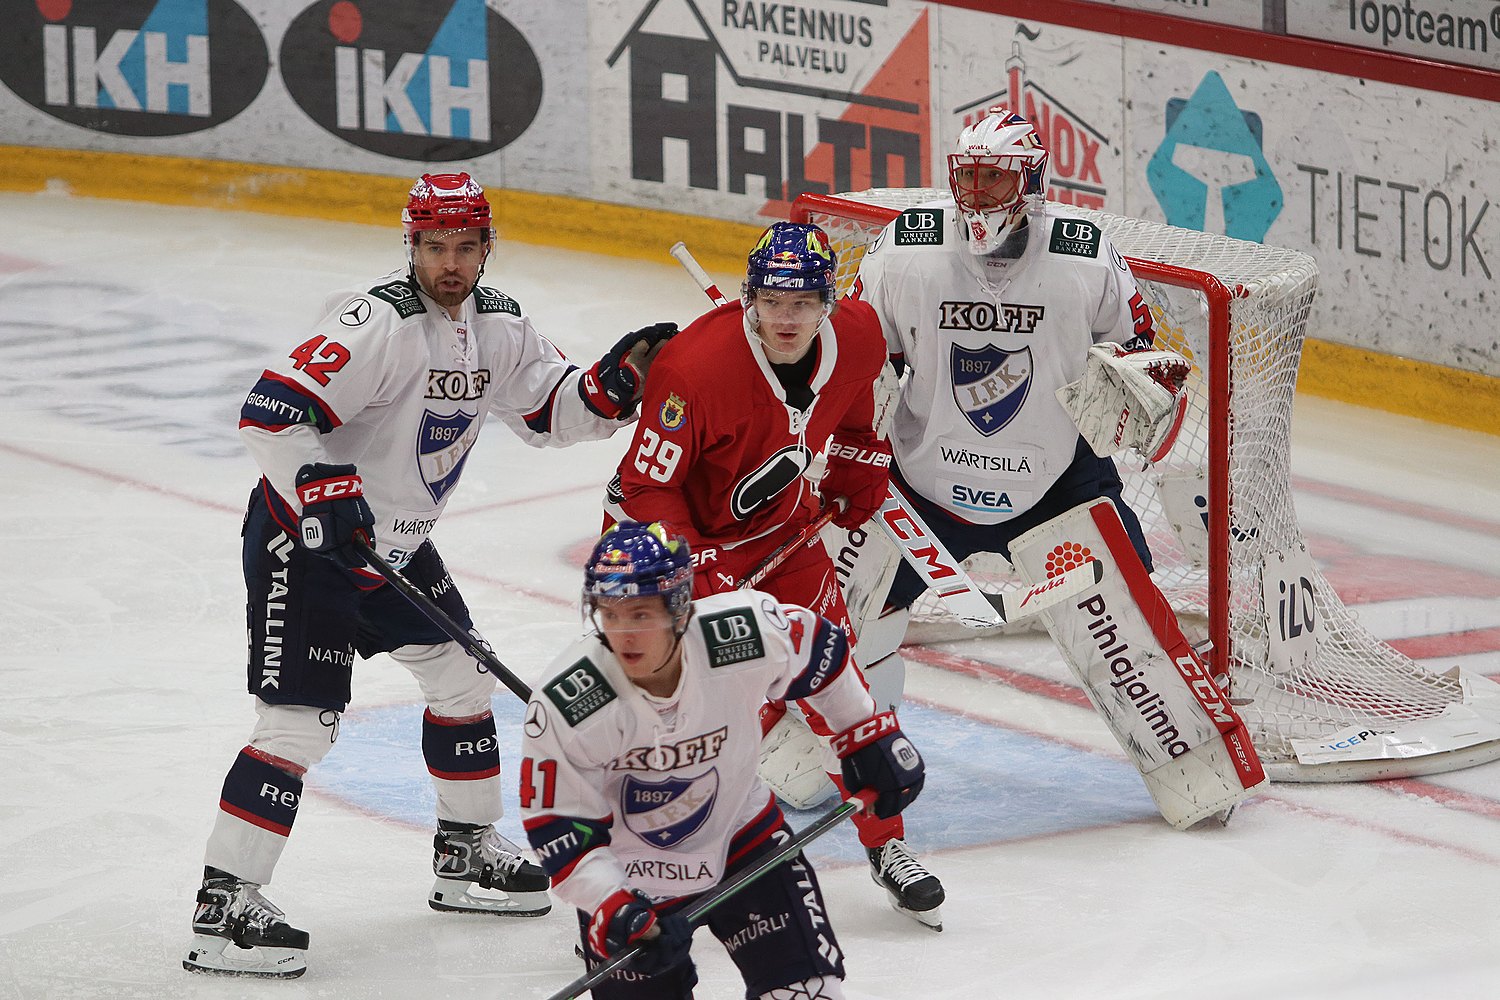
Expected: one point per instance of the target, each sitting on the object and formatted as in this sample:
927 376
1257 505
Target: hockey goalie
1029 357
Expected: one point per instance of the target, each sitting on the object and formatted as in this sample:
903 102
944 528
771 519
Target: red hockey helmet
446 201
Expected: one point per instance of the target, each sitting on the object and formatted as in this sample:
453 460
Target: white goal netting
1219 517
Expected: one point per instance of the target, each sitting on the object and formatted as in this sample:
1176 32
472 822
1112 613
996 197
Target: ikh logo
133 67
471 86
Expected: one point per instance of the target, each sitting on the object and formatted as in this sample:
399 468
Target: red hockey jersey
719 453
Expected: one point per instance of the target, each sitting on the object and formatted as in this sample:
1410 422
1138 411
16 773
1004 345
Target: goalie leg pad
1122 641
795 761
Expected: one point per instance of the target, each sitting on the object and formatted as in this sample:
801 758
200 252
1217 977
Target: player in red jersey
741 414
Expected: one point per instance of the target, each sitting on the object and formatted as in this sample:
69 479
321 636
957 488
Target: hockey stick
473 646
804 537
927 555
740 880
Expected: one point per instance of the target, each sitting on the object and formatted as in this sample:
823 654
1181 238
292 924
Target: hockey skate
238 932
913 890
479 871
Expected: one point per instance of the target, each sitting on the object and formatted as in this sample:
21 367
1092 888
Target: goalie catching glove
876 755
861 473
613 386
626 919
1129 399
334 512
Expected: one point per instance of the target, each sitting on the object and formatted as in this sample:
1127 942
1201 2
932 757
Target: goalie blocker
1122 641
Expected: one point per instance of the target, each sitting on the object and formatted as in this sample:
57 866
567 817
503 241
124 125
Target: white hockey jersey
978 429
390 383
619 788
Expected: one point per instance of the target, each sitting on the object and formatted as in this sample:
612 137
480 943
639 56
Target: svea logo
133 67
428 81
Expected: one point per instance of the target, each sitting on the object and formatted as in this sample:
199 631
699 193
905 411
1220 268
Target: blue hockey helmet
632 559
793 257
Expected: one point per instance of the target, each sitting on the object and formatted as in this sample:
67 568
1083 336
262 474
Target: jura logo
428 81
133 67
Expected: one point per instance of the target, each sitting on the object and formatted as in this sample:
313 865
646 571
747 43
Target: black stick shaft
440 618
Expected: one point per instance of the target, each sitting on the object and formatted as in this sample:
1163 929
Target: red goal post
1219 517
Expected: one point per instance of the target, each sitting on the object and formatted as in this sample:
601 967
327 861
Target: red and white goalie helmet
446 202
997 171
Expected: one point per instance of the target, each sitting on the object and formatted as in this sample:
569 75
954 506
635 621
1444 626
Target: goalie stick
741 879
975 608
472 645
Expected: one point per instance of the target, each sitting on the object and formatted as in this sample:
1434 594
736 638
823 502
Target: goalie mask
444 206
998 172
632 559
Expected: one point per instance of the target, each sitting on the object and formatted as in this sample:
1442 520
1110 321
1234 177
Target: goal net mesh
1354 679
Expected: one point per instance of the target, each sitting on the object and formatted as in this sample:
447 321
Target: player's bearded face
641 635
447 263
786 322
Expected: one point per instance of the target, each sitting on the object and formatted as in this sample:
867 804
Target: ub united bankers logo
418 81
133 67
443 444
990 385
667 812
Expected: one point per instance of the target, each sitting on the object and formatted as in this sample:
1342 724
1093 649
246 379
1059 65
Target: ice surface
130 335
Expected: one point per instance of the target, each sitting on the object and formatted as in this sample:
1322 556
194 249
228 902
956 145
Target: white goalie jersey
390 383
620 788
978 428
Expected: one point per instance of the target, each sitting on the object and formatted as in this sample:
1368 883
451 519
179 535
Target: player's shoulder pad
922 226
400 295
732 626
1071 236
492 300
579 689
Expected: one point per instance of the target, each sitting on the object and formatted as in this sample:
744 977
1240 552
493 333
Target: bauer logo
428 81
133 67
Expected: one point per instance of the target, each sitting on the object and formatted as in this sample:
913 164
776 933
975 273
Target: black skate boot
468 858
913 890
238 932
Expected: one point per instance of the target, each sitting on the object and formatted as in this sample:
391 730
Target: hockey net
1218 511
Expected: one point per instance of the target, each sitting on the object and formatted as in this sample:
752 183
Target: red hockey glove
627 918
334 512
861 473
876 755
613 386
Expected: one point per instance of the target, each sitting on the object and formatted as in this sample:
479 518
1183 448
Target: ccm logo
331 489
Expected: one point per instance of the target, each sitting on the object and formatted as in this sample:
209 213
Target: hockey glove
1129 399
334 512
861 473
613 386
625 919
877 755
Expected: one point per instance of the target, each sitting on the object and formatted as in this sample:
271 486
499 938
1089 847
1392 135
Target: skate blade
219 957
450 896
932 918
